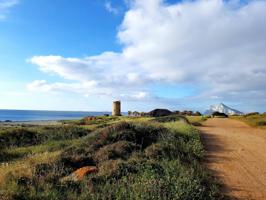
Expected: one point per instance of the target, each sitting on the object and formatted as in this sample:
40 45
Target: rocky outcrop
80 173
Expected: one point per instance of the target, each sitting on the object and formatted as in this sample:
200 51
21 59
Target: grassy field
255 120
196 120
136 158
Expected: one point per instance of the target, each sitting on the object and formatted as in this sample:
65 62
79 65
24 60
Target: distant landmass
223 109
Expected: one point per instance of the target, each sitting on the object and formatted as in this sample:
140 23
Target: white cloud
86 87
137 96
5 6
217 45
110 8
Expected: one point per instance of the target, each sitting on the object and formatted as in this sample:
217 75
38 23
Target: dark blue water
30 115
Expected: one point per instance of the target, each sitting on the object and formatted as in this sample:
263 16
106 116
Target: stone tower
116 108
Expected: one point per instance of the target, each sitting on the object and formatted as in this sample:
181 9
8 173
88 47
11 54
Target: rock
79 174
159 113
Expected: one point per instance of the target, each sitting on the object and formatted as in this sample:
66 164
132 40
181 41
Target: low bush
251 114
60 133
261 123
18 137
253 119
7 156
120 149
21 137
171 118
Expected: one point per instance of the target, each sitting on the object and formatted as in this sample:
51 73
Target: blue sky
75 28
83 54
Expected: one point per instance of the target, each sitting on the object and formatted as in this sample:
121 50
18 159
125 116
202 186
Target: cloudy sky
83 54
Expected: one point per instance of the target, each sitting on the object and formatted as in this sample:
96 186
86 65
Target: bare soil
236 155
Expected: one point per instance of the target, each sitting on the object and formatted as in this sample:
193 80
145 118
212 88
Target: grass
25 166
255 120
196 120
10 154
20 136
137 158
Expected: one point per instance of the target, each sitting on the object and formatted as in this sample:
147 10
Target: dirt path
236 154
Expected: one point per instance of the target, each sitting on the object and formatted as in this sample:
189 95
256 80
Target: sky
84 54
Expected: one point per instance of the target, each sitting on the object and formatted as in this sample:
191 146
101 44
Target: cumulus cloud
217 45
108 74
5 6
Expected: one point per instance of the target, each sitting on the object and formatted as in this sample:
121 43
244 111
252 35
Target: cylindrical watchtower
116 108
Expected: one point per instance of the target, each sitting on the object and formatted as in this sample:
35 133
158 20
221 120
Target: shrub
143 134
120 149
76 157
171 118
218 114
261 123
6 156
17 138
50 133
252 113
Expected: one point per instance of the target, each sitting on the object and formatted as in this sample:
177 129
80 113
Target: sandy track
236 154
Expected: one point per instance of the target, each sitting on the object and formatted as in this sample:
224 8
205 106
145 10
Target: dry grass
256 120
196 120
25 166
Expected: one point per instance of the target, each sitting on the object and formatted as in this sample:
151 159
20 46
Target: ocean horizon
45 115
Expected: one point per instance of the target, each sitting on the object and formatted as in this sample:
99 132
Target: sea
40 115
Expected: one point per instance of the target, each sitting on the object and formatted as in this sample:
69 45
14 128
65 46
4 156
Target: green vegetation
197 120
253 119
136 158
19 136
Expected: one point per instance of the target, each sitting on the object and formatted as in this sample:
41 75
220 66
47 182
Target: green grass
10 154
255 120
21 136
137 158
196 120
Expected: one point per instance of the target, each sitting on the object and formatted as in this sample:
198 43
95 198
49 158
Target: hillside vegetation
134 158
253 119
